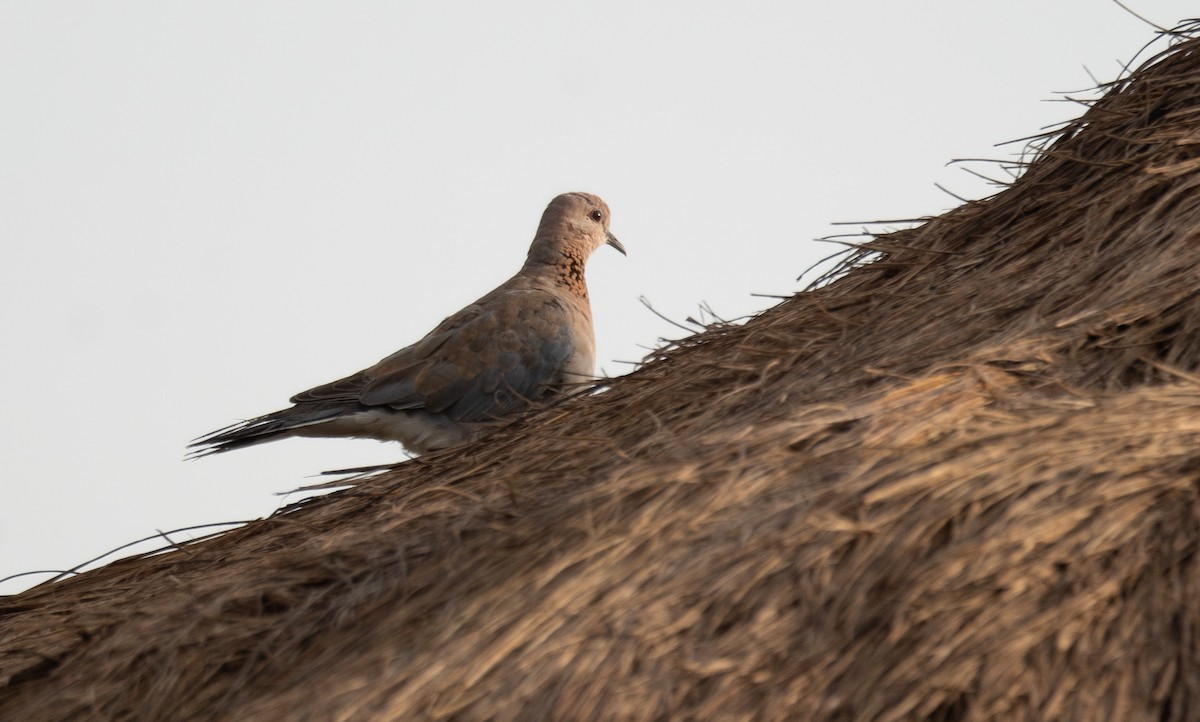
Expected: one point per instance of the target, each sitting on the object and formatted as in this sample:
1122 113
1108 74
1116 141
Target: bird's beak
611 240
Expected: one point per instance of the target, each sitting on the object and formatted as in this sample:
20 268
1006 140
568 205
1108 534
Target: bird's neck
570 274
561 264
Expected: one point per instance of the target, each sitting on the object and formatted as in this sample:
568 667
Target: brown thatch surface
959 483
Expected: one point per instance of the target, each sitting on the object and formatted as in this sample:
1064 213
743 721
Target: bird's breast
581 364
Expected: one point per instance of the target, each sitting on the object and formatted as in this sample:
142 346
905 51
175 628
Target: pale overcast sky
207 207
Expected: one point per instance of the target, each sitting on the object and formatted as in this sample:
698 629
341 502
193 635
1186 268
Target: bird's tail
269 427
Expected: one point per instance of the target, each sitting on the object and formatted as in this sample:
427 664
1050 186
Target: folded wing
485 361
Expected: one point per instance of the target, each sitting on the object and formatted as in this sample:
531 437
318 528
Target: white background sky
207 207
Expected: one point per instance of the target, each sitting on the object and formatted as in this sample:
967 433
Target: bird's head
574 219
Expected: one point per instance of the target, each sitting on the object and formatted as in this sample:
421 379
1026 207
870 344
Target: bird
526 342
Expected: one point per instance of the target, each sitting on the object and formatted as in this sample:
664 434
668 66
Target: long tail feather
269 427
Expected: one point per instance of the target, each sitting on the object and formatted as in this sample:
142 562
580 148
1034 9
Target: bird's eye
597 215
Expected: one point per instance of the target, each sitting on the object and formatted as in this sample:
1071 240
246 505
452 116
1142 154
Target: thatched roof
961 482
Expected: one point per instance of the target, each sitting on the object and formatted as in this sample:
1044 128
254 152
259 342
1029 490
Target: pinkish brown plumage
527 339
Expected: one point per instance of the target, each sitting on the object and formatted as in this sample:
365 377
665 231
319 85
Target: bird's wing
346 389
482 362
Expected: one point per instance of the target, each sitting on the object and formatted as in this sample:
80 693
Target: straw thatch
957 483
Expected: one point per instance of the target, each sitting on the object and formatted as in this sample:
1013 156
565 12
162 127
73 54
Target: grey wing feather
346 389
501 356
402 364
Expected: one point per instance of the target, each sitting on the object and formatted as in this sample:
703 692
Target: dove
527 341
